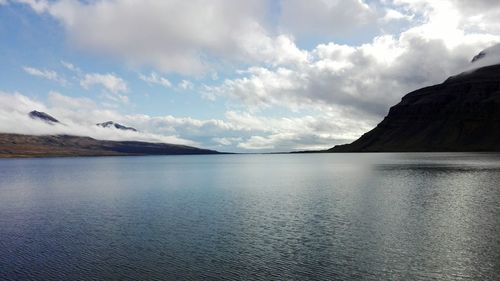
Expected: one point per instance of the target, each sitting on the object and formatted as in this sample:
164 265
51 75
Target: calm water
252 217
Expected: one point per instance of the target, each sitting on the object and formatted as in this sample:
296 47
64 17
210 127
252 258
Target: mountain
111 124
38 115
14 145
460 114
489 54
17 145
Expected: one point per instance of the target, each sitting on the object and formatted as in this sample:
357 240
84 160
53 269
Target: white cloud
395 15
185 85
450 18
59 100
116 99
192 36
12 102
192 41
114 85
109 81
275 51
325 17
46 74
489 56
238 131
226 141
154 78
259 143
39 6
71 67
76 115
359 81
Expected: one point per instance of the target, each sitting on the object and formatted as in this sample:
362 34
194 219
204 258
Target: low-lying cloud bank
238 131
14 118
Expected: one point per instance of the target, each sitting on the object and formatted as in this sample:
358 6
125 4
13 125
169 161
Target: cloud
488 56
395 15
38 6
46 74
325 17
154 78
185 85
193 35
238 131
108 81
192 41
468 16
113 85
481 15
359 81
12 102
226 141
71 67
472 8
14 109
59 100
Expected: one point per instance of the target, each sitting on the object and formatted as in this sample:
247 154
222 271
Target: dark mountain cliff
461 114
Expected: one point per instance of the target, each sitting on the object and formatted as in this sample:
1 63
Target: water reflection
260 217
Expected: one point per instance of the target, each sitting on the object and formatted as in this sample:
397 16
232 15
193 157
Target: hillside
460 114
14 145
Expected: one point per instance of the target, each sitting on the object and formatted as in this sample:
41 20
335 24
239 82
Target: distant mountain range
460 114
38 115
16 145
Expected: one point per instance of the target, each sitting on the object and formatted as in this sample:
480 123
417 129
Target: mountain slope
38 115
14 145
461 114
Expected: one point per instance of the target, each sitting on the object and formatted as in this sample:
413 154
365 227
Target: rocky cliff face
461 114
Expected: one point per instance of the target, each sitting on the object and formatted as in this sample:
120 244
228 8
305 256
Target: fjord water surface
252 217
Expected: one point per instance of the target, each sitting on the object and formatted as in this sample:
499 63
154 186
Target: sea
376 216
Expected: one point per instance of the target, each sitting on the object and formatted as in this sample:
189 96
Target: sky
236 76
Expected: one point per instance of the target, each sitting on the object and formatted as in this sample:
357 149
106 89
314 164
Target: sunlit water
251 217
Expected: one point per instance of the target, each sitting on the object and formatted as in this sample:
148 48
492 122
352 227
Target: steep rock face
111 124
461 114
38 115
